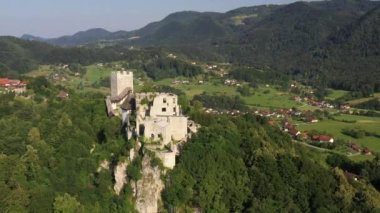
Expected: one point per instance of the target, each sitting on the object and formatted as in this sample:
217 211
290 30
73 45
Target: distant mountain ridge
79 38
32 38
330 43
354 52
191 26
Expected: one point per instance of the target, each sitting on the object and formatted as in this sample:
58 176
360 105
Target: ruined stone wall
165 105
159 129
169 128
167 158
178 127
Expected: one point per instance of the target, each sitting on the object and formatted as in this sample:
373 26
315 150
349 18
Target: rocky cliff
120 176
148 189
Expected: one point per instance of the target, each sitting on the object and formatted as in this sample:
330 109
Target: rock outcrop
104 165
148 189
120 176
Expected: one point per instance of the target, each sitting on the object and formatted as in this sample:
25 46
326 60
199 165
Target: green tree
34 135
67 204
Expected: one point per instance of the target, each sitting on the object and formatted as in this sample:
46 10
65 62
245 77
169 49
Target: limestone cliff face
120 171
148 189
120 176
104 165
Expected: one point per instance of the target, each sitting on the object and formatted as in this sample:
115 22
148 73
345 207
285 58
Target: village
283 118
293 108
190 106
158 128
12 85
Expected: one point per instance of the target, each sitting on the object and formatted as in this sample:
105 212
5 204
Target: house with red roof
351 176
322 138
13 85
287 125
305 136
4 82
294 132
289 128
312 119
345 107
367 151
62 94
355 147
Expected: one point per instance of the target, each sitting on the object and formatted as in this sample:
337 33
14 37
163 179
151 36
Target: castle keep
159 120
121 81
121 92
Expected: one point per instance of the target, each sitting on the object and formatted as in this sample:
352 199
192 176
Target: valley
265 100
264 108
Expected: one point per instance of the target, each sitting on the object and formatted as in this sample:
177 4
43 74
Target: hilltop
80 38
209 27
313 41
212 112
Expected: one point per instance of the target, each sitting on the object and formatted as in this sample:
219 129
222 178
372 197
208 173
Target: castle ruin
159 121
159 118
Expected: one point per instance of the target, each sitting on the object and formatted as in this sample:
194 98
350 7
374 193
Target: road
325 150
313 147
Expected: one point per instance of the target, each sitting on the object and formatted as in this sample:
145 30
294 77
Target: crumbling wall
165 104
167 158
178 127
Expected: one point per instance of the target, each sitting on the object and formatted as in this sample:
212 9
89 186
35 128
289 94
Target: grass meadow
261 97
335 127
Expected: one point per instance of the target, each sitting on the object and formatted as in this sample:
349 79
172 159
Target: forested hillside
80 38
52 149
296 39
244 165
19 56
354 54
326 44
61 153
46 162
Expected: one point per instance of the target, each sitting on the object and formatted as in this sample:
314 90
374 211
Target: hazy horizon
50 19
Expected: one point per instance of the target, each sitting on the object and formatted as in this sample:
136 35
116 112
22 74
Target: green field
361 100
43 70
262 97
95 73
273 98
194 88
335 94
362 157
334 128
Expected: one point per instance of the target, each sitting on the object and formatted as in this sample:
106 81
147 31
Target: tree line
242 164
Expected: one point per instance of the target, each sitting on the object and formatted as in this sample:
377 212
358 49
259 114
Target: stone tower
120 81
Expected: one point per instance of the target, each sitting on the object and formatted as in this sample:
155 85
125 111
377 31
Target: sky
54 18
